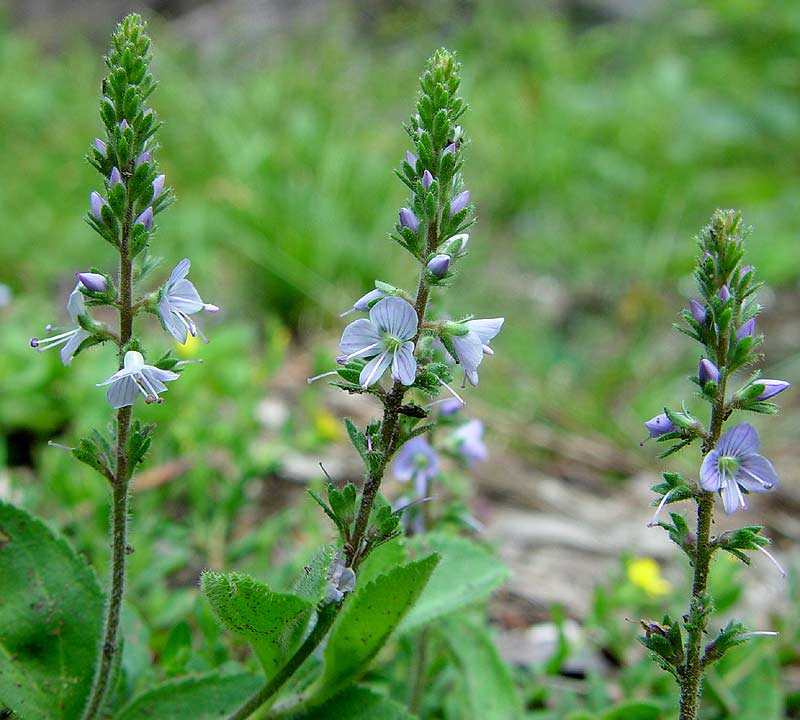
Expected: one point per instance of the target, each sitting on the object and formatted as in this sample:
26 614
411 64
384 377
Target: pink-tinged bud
92 281
427 180
123 126
698 312
747 330
409 220
146 219
439 265
158 186
96 202
707 372
771 388
724 294
116 177
451 148
145 157
460 201
411 159
100 146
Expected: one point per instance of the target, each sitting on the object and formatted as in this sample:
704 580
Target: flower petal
180 271
739 441
358 335
756 474
134 362
374 369
485 329
710 479
395 316
183 296
72 345
153 373
469 349
122 393
404 364
732 498
171 322
75 304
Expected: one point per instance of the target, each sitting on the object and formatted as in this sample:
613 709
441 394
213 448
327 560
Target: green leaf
266 619
357 703
178 649
51 611
489 691
752 675
633 711
201 697
466 575
367 620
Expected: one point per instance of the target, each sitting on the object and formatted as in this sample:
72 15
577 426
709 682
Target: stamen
50 443
363 351
153 393
368 380
319 377
453 393
757 633
773 560
766 485
654 521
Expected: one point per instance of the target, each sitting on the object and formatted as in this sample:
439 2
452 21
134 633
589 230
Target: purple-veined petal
404 364
122 393
710 479
739 441
171 322
395 316
374 369
71 346
183 296
757 474
359 335
156 374
732 498
469 349
75 304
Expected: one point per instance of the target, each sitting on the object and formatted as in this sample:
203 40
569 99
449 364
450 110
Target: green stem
418 674
119 498
391 407
692 671
324 621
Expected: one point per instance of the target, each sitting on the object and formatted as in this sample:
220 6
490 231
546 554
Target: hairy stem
326 617
692 671
389 425
119 497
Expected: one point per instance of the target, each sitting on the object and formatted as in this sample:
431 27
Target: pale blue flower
386 337
416 461
734 464
469 441
178 300
341 580
71 337
136 378
471 346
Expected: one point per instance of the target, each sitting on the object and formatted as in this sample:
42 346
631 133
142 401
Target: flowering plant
723 322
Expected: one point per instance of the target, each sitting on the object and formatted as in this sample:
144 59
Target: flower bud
145 157
451 148
92 281
747 330
116 177
724 294
409 220
96 202
658 426
100 146
707 371
411 159
744 270
146 218
427 180
123 126
158 186
439 265
460 201
698 312
771 388
456 245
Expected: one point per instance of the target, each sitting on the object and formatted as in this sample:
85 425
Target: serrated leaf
489 691
201 697
51 611
267 620
357 703
368 618
466 575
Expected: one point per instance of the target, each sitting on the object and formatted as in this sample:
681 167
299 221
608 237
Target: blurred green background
603 135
